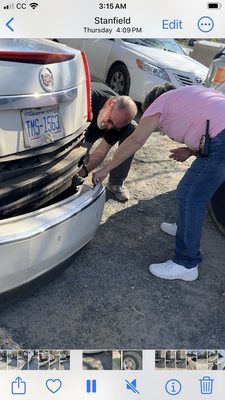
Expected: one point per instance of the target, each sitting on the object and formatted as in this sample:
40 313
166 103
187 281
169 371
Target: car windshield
165 44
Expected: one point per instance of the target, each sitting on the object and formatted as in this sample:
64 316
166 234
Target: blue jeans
194 191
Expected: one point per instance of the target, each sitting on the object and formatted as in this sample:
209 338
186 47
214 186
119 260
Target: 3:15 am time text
112 6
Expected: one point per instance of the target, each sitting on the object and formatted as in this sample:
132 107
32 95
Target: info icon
173 387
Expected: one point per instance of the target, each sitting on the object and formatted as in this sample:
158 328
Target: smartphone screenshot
112 223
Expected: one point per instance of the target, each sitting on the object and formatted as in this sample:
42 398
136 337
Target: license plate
42 126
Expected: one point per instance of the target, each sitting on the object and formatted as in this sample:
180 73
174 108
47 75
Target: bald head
117 112
127 105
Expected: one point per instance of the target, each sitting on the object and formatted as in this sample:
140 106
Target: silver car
44 112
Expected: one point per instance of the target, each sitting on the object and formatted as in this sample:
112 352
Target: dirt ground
107 298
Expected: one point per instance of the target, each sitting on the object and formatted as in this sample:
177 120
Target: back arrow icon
8 24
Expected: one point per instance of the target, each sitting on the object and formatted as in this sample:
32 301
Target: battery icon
214 5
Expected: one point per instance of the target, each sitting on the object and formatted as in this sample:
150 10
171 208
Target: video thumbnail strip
34 360
190 360
112 360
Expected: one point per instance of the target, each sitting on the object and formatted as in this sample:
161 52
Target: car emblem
46 79
198 79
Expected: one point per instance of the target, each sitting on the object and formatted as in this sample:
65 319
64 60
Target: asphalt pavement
107 299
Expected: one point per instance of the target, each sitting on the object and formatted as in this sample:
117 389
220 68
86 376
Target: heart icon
53 385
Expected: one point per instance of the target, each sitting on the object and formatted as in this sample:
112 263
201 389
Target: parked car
44 112
135 66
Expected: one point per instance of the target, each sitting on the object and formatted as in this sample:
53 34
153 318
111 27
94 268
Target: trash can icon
206 385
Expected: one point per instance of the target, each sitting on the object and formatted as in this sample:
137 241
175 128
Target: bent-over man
113 121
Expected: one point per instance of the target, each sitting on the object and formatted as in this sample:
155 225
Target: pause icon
91 386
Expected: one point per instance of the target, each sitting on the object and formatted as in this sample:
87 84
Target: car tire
191 42
217 210
132 361
118 79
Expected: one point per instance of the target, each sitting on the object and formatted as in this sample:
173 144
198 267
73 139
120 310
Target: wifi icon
33 5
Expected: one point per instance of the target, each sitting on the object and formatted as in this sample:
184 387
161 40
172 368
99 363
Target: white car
44 112
135 66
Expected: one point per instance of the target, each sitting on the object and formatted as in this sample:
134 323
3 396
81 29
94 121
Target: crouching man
113 122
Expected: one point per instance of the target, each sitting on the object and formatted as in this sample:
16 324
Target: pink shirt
184 113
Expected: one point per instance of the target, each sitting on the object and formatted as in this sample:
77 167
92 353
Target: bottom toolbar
112 374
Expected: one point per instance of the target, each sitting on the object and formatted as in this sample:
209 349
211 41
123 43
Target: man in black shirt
113 121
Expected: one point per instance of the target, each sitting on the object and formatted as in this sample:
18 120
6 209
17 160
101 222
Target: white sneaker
171 270
171 229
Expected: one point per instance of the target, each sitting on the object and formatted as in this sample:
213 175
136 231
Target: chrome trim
15 102
47 225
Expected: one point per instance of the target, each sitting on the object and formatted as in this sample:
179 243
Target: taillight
34 58
88 86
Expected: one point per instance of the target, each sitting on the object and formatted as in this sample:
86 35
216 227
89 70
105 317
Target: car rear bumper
34 243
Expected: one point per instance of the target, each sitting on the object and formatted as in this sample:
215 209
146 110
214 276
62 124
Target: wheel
119 79
132 361
191 42
217 210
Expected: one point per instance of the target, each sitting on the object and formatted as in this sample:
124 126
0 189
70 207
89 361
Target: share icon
132 386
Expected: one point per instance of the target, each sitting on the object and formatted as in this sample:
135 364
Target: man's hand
95 158
181 154
99 176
